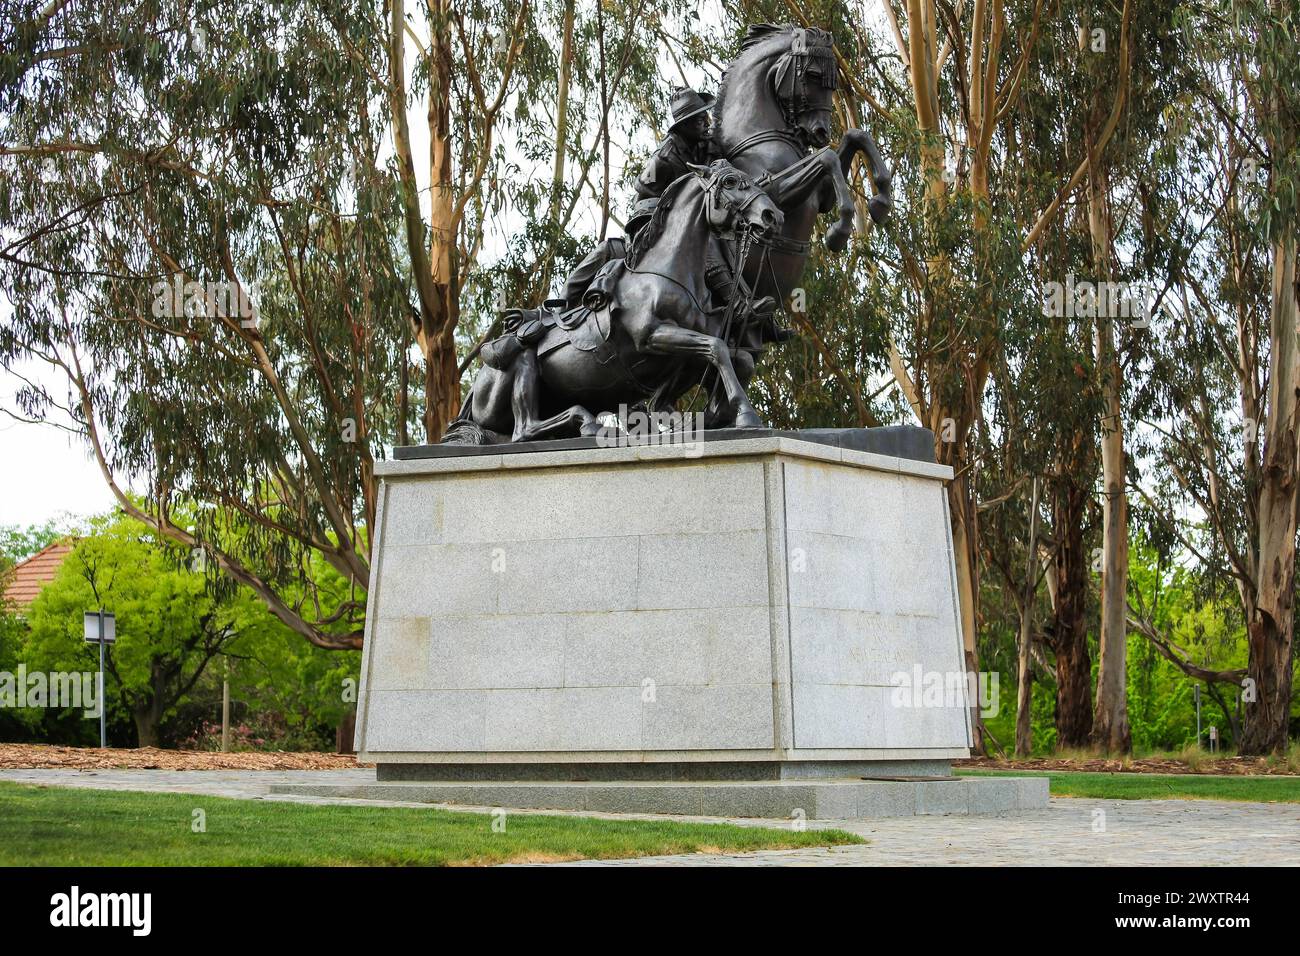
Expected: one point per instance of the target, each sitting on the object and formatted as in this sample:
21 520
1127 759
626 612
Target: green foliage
168 627
1206 627
1161 710
172 633
309 689
19 542
15 724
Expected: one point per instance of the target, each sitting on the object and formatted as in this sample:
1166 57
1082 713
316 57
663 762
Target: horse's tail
465 431
662 396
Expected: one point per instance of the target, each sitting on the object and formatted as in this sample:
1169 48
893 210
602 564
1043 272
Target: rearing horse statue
773 106
660 333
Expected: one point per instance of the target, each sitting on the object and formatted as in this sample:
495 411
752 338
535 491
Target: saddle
588 326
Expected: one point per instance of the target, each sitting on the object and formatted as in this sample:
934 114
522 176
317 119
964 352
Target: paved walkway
1079 832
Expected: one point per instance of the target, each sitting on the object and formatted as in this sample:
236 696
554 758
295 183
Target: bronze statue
693 303
653 338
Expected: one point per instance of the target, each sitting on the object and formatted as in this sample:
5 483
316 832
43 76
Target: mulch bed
1215 766
43 757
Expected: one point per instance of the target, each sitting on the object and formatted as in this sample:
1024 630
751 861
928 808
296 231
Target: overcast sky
44 471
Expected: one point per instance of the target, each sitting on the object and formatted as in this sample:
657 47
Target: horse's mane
754 46
650 233
756 33
762 40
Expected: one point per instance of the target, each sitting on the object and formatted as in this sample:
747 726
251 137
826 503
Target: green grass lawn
60 826
1151 786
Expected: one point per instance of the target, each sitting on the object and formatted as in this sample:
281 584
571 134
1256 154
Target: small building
24 582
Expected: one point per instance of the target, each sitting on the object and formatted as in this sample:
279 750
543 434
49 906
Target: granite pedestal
739 609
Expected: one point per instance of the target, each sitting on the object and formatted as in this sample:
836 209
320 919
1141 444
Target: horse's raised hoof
837 238
880 208
748 418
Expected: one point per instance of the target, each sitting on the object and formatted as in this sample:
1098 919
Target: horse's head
710 200
788 70
734 203
804 77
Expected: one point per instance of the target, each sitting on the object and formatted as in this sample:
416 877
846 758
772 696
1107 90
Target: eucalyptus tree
1224 393
1123 254
199 235
1048 383
211 230
1266 48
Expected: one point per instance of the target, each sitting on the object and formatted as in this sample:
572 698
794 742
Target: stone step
843 799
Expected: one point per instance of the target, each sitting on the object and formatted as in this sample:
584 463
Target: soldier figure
607 250
687 143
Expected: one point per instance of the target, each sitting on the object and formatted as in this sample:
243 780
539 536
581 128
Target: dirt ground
41 756
1214 766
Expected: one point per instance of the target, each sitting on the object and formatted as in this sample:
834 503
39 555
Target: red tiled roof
25 581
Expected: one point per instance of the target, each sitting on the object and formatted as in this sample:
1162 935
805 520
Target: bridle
806 46
791 87
772 242
716 192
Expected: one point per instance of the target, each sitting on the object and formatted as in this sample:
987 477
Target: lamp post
100 627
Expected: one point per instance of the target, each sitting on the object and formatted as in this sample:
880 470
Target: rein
673 279
744 242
